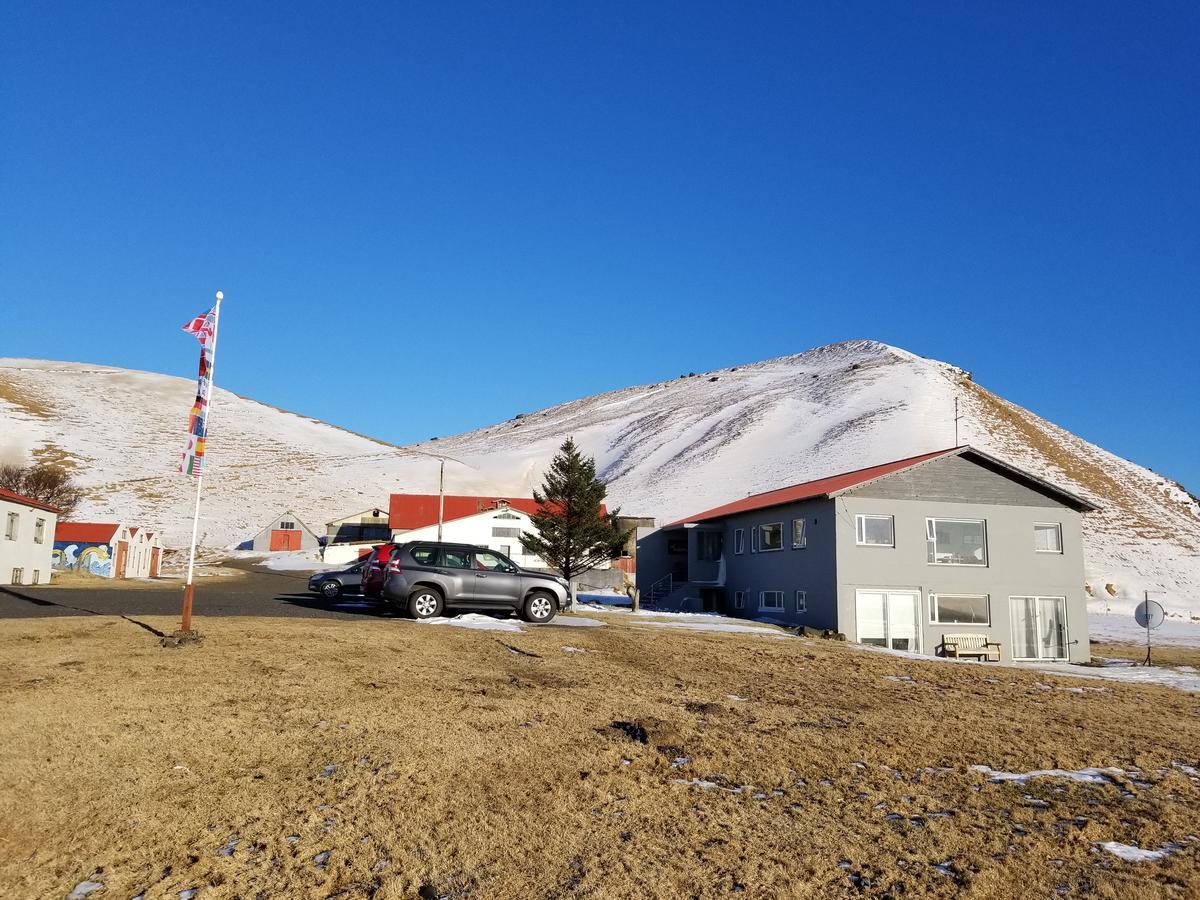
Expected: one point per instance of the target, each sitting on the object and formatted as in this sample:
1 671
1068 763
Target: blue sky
503 206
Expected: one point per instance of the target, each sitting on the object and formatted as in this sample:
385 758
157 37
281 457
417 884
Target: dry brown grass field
387 759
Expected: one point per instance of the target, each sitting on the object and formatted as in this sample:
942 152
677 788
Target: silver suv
426 578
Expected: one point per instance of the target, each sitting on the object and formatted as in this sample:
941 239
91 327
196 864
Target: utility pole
441 496
956 418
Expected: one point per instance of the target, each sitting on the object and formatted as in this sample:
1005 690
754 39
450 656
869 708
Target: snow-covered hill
667 450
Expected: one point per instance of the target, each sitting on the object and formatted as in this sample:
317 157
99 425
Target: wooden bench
957 646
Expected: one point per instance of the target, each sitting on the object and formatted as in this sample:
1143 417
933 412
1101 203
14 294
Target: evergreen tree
573 534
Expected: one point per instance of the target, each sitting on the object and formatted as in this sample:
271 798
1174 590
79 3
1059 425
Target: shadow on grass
349 604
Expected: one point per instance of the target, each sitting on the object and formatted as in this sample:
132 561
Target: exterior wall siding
954 479
1013 569
812 569
308 540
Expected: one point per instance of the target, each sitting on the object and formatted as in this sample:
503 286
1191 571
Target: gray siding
308 540
955 479
1014 568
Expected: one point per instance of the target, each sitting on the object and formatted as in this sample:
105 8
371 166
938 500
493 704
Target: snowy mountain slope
667 450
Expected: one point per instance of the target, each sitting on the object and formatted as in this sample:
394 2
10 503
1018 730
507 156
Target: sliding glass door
889 619
1039 627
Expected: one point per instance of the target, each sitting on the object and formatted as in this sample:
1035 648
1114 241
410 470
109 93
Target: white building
27 540
497 529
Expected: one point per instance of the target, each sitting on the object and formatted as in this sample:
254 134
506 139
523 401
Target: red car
375 571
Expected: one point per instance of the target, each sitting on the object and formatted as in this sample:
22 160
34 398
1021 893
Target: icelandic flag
204 328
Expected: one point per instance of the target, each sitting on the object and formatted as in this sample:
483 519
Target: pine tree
574 535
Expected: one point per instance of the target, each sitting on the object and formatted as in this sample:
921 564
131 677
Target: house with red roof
493 522
108 550
929 554
27 538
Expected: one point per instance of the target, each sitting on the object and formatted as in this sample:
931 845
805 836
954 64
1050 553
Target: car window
357 567
456 559
492 561
424 556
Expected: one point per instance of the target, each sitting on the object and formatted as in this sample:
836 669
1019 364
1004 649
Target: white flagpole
188 590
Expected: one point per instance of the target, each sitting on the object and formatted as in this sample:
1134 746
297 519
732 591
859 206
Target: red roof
408 511
821 487
27 501
85 532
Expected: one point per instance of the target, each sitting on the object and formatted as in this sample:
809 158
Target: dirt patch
13 392
385 758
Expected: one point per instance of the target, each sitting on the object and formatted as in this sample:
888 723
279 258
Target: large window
709 545
739 540
799 537
956 542
801 601
10 529
770 537
505 532
39 533
739 599
959 609
1047 537
1039 627
770 600
875 531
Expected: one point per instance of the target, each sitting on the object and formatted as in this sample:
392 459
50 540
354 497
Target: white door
889 619
1039 627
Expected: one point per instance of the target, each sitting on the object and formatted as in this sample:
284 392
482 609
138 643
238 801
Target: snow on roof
86 532
14 497
836 484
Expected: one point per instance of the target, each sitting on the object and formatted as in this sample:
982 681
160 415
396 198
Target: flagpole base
188 593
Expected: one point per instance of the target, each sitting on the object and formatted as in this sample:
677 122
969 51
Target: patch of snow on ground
577 621
297 561
476 621
84 888
1122 629
1133 854
763 631
1088 776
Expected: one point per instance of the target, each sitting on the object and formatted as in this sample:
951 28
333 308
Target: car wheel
330 590
538 608
424 603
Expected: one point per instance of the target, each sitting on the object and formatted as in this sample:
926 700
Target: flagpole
188 589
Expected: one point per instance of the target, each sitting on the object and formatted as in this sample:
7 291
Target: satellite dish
1149 614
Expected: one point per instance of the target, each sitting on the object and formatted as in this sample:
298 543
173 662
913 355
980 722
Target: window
770 600
39 534
37 577
770 537
506 532
739 598
287 526
799 537
801 601
959 609
1047 537
956 542
1039 627
456 559
875 531
424 556
10 530
506 516
17 575
753 540
739 540
506 549
709 545
492 562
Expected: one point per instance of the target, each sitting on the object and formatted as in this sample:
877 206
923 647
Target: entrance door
122 558
889 619
285 540
155 557
1039 627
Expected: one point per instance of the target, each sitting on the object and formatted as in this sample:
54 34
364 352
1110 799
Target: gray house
899 555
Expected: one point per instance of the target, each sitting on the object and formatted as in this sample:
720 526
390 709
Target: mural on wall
93 559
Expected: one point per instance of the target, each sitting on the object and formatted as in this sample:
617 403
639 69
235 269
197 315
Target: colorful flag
204 328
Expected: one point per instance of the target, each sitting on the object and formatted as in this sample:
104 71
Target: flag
204 327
